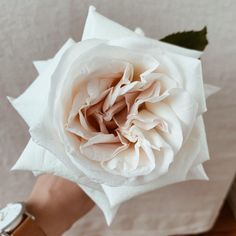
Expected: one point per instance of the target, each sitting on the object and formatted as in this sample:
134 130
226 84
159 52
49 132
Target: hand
57 203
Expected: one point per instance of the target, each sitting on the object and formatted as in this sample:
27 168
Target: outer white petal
101 200
197 173
98 26
192 81
139 31
204 152
210 90
40 66
30 105
185 107
183 104
39 160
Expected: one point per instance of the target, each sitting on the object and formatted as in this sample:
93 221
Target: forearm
57 203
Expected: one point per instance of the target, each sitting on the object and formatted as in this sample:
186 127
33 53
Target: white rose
118 115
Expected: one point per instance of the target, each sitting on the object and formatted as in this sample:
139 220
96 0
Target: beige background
35 29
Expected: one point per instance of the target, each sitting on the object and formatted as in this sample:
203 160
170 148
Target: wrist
46 219
52 215
56 204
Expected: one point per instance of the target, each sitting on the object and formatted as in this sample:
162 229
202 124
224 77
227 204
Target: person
53 206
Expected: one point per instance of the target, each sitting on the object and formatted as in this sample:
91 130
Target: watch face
11 216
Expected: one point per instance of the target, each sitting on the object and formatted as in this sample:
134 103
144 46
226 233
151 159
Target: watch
16 221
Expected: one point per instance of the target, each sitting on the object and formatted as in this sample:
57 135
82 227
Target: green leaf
196 40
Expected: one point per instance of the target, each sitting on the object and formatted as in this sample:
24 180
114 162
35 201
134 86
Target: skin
57 203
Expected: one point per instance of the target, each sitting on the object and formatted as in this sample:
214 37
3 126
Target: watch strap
28 227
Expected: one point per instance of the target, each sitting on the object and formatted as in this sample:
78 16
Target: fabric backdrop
35 29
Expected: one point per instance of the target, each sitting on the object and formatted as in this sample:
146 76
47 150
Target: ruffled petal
175 135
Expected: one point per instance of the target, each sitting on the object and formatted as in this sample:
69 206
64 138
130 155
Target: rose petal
210 89
124 162
35 96
190 77
139 31
166 83
100 152
40 66
175 136
98 26
197 173
101 200
125 80
204 152
185 107
39 160
135 161
100 147
147 120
